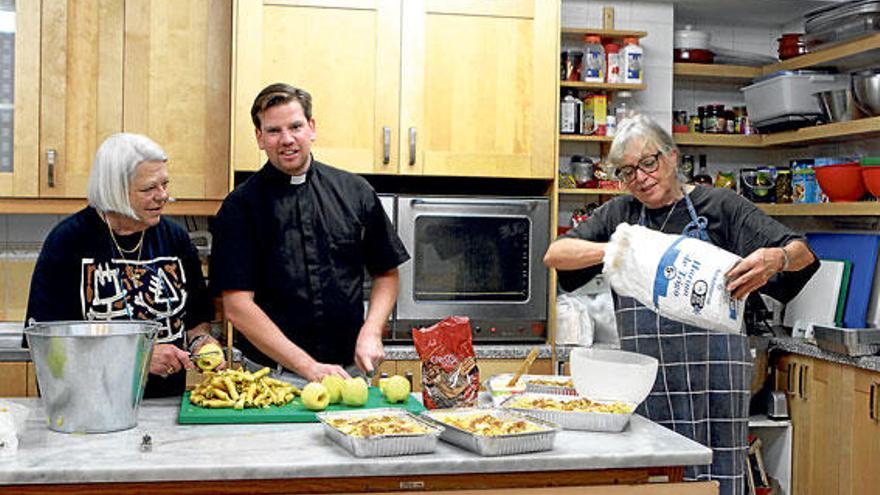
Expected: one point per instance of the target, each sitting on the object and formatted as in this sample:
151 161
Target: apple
212 356
334 384
315 396
382 382
397 389
354 392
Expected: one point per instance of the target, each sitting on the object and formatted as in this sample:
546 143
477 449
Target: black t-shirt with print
735 224
80 275
302 249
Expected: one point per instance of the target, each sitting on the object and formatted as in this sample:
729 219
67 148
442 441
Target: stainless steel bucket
91 374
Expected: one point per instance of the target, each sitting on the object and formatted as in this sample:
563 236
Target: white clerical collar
297 179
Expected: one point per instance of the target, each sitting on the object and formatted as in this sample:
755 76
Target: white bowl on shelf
612 375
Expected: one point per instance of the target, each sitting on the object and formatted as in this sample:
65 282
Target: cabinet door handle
871 412
789 379
386 145
412 146
50 167
801 373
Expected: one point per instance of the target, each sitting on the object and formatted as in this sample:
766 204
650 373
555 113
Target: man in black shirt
289 251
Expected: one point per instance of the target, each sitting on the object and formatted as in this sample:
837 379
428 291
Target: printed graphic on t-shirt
138 290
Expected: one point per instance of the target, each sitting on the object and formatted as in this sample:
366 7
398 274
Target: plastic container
613 63
633 72
788 93
594 59
91 374
612 375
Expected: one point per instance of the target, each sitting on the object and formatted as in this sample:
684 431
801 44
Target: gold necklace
138 247
668 216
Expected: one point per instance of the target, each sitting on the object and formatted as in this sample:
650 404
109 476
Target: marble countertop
807 348
300 450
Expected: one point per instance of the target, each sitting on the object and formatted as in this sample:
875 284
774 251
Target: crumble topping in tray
368 426
577 405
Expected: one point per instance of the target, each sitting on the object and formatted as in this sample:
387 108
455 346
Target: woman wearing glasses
702 387
119 259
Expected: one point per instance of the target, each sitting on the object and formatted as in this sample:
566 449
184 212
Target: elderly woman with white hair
703 384
119 259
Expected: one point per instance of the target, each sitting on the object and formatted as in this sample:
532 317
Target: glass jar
687 168
582 170
783 185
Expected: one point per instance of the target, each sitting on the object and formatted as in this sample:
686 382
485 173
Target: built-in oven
480 257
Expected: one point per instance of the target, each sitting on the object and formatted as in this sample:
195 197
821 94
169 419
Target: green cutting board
294 412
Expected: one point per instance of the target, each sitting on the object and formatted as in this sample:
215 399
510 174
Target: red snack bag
450 377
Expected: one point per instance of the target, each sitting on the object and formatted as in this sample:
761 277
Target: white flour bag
680 277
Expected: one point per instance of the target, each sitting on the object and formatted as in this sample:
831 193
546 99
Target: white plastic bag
12 418
573 323
680 277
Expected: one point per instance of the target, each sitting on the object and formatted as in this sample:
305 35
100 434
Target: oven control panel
484 330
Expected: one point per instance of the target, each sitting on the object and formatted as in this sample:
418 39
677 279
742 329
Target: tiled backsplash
21 237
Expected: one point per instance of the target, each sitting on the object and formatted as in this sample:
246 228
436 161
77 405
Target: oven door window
471 258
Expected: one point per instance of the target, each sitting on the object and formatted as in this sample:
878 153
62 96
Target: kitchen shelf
860 52
725 140
836 131
860 208
591 192
603 86
833 131
582 138
716 72
853 53
606 33
57 206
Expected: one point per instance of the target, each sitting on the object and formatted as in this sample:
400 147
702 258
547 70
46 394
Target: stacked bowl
871 174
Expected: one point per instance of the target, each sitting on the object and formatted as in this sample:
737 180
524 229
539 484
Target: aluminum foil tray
382 445
516 443
540 388
573 420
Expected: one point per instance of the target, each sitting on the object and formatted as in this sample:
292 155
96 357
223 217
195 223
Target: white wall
656 101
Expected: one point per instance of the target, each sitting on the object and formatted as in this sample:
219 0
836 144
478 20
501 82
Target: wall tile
30 228
651 13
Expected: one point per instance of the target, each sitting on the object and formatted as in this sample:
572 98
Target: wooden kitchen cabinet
418 87
14 379
813 386
834 413
87 69
861 432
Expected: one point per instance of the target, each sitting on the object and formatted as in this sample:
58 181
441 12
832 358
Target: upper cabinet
422 87
86 69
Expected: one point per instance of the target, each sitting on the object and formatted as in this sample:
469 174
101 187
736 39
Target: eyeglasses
648 164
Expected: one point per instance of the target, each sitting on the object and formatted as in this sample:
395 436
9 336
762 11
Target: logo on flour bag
681 281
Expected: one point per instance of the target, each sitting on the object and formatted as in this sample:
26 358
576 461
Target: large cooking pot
91 374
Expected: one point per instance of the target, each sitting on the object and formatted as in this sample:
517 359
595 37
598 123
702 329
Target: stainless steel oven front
480 257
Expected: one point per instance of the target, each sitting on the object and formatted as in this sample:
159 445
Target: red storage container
841 182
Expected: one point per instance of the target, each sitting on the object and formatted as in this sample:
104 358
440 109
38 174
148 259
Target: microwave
480 257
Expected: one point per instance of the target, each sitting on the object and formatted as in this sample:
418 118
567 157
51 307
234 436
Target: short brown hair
280 94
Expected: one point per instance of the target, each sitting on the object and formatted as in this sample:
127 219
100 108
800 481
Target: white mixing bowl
612 375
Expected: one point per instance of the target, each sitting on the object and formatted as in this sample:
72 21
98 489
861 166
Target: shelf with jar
845 56
835 131
854 53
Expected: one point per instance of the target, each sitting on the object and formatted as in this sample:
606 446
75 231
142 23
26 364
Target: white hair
113 169
643 128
